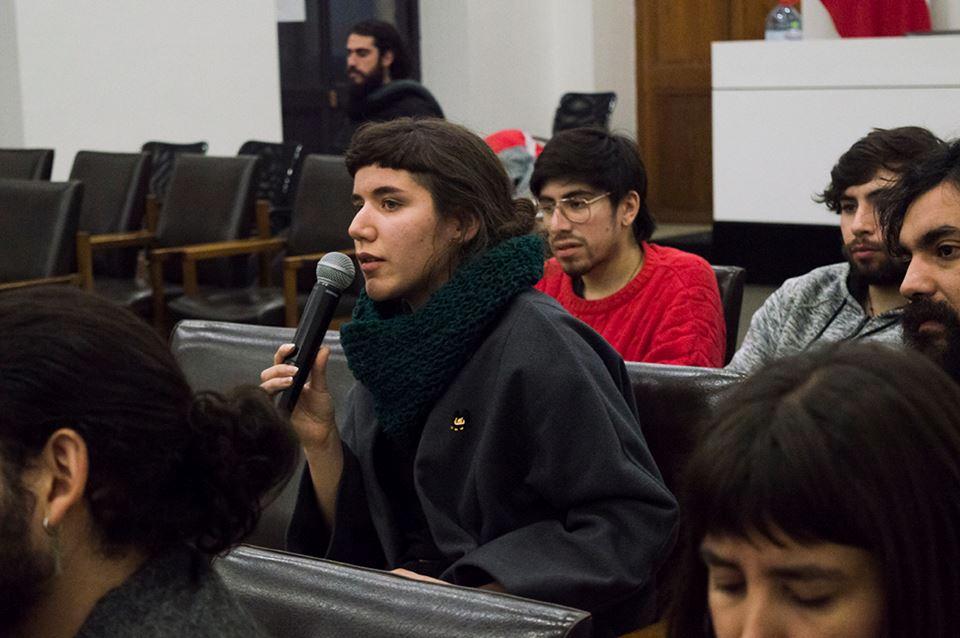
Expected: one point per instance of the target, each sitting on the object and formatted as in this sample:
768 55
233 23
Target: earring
46 526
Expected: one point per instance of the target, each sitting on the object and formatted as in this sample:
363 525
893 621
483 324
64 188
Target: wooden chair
38 227
26 163
322 212
114 201
210 199
163 156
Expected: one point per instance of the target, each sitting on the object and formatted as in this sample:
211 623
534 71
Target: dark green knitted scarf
407 360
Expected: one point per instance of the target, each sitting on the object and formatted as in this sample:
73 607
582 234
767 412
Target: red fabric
510 137
669 313
871 18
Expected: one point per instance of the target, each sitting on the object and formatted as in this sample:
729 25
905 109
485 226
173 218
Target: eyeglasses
575 209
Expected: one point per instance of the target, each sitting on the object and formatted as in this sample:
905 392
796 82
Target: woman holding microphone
492 439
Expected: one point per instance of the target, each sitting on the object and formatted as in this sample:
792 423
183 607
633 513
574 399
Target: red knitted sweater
669 313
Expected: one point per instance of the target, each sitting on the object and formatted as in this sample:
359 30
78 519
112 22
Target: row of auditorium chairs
207 201
218 356
205 215
277 174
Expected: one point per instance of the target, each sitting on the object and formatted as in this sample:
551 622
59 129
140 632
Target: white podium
783 113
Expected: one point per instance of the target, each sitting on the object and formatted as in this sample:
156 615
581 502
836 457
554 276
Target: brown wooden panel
684 190
685 29
673 95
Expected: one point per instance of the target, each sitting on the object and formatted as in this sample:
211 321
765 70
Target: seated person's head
921 219
376 54
871 164
598 182
107 457
429 195
822 501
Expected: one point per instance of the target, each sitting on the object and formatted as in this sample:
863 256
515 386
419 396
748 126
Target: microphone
335 273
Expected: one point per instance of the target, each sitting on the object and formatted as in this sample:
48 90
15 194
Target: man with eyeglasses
652 303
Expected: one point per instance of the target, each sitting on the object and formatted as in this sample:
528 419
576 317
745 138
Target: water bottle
783 22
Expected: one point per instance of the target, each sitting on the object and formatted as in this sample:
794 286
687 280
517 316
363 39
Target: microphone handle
313 326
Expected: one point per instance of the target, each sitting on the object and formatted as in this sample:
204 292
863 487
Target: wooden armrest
87 243
73 280
140 238
212 250
199 252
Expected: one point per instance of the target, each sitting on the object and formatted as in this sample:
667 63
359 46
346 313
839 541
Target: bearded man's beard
942 346
26 572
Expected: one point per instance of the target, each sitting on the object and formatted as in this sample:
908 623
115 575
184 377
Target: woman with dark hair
118 483
823 502
492 439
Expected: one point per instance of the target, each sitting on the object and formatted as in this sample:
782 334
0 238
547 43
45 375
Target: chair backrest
584 109
208 199
322 211
38 228
278 171
674 402
299 597
220 356
26 163
730 280
162 157
114 200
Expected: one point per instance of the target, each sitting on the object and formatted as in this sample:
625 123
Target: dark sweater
400 98
173 595
531 471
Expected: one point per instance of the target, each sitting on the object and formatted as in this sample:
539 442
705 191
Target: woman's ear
463 228
63 468
628 208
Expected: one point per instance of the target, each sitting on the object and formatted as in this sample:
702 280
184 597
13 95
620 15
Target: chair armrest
73 280
291 265
212 250
87 244
139 238
199 252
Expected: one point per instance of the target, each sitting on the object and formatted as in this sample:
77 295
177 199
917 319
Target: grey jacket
173 595
818 307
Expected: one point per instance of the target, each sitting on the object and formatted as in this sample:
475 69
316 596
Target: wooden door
673 85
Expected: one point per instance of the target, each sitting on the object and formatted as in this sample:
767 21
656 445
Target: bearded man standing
856 300
379 69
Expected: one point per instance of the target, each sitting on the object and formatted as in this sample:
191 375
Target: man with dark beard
921 220
378 67
856 300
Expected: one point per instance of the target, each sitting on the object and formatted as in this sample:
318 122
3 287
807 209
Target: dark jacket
172 595
531 471
400 98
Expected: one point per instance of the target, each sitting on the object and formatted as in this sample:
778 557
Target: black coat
546 486
400 98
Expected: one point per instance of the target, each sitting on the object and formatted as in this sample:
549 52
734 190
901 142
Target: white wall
944 14
11 107
112 75
495 64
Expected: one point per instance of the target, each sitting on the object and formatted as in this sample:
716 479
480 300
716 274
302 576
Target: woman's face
758 588
404 248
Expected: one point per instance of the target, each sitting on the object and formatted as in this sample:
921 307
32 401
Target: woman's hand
406 573
312 417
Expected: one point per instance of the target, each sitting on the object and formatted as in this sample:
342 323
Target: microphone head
336 271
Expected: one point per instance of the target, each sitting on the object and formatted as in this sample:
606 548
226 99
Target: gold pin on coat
459 422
